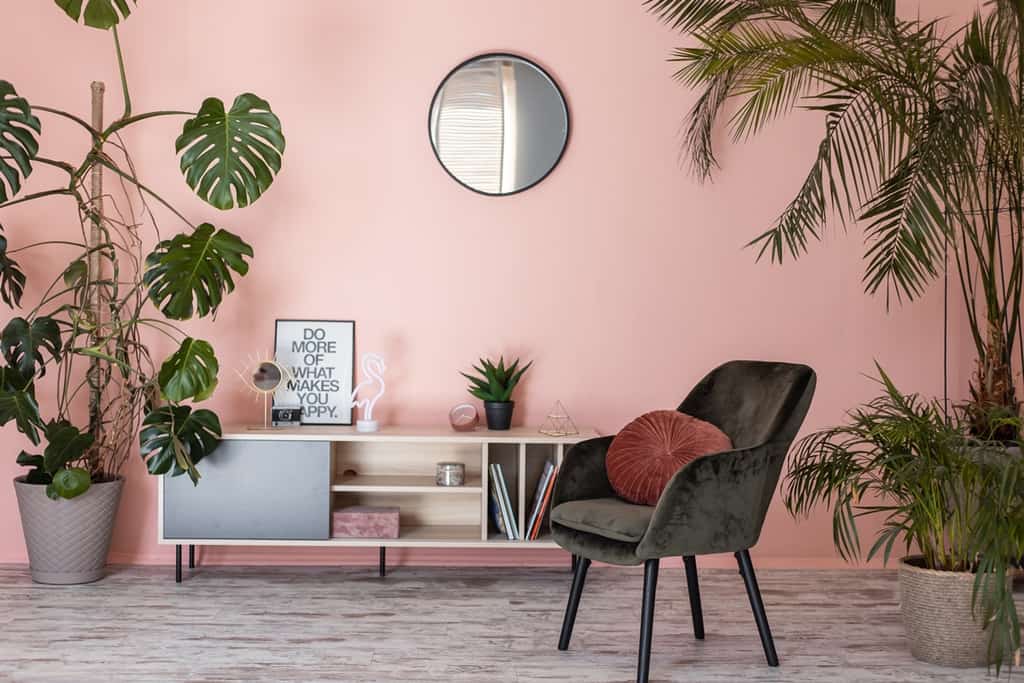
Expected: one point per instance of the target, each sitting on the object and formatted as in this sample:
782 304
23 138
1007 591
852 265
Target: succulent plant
495 382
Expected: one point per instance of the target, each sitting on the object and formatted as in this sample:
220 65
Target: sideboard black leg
382 570
191 556
177 564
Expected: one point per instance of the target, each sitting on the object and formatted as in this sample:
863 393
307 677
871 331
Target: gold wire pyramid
558 422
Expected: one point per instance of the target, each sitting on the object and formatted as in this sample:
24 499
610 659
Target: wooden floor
464 624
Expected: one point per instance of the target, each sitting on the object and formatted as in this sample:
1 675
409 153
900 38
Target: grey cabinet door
274 490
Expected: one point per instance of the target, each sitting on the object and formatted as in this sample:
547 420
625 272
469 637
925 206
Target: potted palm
950 503
494 386
922 143
87 331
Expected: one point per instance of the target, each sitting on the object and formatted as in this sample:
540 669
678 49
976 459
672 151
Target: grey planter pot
936 609
68 540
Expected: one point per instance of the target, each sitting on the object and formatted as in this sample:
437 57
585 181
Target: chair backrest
754 402
718 503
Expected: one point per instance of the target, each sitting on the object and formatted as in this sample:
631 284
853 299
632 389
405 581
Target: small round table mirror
498 124
267 377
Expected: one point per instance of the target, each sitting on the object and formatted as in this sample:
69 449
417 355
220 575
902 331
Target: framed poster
320 354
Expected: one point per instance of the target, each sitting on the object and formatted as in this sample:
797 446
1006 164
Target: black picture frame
538 67
351 366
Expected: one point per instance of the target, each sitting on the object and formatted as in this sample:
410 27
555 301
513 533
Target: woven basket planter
68 540
937 615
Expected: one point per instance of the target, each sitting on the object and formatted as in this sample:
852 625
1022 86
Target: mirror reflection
498 124
267 377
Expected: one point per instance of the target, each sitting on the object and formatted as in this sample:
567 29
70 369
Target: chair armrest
582 474
716 504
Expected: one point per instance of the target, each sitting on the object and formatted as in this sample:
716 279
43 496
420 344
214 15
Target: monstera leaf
192 272
65 445
20 406
23 343
76 274
104 14
231 157
12 380
17 141
12 280
36 475
176 438
190 373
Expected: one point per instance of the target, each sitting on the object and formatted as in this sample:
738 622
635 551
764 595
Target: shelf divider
522 490
485 492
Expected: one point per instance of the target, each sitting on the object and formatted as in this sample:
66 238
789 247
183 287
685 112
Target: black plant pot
499 414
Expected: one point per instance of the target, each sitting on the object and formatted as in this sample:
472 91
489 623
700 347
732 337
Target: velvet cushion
649 451
612 518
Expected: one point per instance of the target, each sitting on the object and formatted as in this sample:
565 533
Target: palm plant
97 309
923 143
959 501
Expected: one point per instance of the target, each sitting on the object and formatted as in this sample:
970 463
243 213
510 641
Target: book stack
541 500
501 504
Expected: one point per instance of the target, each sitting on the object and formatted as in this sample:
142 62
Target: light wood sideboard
279 487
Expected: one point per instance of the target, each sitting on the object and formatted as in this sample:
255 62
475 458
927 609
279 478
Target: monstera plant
87 332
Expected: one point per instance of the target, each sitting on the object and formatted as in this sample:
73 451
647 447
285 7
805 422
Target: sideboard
278 487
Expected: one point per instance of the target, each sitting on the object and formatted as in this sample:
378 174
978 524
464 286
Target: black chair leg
177 564
578 579
643 666
757 606
191 556
690 562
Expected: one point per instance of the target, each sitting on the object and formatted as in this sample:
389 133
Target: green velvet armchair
716 504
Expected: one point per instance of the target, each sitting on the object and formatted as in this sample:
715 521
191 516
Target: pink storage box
364 521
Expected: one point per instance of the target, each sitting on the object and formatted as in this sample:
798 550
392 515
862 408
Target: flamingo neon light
373 373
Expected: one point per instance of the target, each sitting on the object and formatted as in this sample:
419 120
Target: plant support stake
95 236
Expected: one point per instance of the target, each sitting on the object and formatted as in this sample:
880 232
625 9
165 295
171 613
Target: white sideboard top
440 434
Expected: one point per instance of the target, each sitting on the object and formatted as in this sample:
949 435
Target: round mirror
498 124
267 377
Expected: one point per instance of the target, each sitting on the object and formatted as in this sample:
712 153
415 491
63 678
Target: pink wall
621 276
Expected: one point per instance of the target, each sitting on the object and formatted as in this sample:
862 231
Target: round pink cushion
649 451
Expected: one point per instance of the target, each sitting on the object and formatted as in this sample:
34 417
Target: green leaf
191 272
38 476
70 483
176 438
101 14
231 157
76 274
17 125
29 460
23 344
66 444
20 406
190 373
12 380
12 279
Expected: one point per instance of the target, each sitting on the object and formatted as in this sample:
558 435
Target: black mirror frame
565 108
